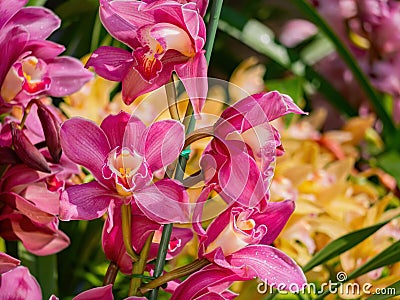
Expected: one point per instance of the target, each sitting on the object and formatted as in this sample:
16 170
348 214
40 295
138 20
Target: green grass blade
343 244
395 288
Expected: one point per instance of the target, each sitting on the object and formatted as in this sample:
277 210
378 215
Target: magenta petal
122 19
275 218
241 182
39 21
267 263
7 262
104 293
133 85
164 202
112 241
19 284
193 75
85 144
211 277
12 43
85 201
67 76
8 8
110 62
163 141
44 49
114 127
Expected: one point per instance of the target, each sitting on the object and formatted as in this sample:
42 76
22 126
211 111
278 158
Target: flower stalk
175 274
126 216
111 273
139 266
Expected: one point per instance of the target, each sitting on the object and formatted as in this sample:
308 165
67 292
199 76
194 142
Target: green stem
111 273
139 266
46 274
189 123
351 62
212 27
126 216
94 43
177 273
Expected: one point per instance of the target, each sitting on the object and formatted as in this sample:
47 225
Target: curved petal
104 293
67 76
85 144
113 243
241 182
19 284
114 127
44 49
133 84
8 8
164 202
122 19
7 262
211 277
193 75
163 141
85 201
110 63
275 218
39 21
12 43
267 263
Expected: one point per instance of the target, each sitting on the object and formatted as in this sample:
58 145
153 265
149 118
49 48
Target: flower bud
51 129
26 151
8 156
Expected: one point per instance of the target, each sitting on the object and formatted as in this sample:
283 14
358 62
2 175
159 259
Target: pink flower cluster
41 182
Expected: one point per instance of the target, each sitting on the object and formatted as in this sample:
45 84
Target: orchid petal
39 21
104 293
86 144
85 201
67 76
241 182
43 49
19 284
193 75
267 263
7 262
122 19
210 277
12 43
112 241
9 8
114 127
163 141
275 218
164 202
110 63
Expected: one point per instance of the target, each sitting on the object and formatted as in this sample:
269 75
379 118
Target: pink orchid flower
30 205
113 244
19 284
30 66
165 36
122 154
238 241
243 134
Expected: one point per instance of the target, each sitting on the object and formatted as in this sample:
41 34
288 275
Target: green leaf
388 256
390 163
343 244
36 2
390 291
291 86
